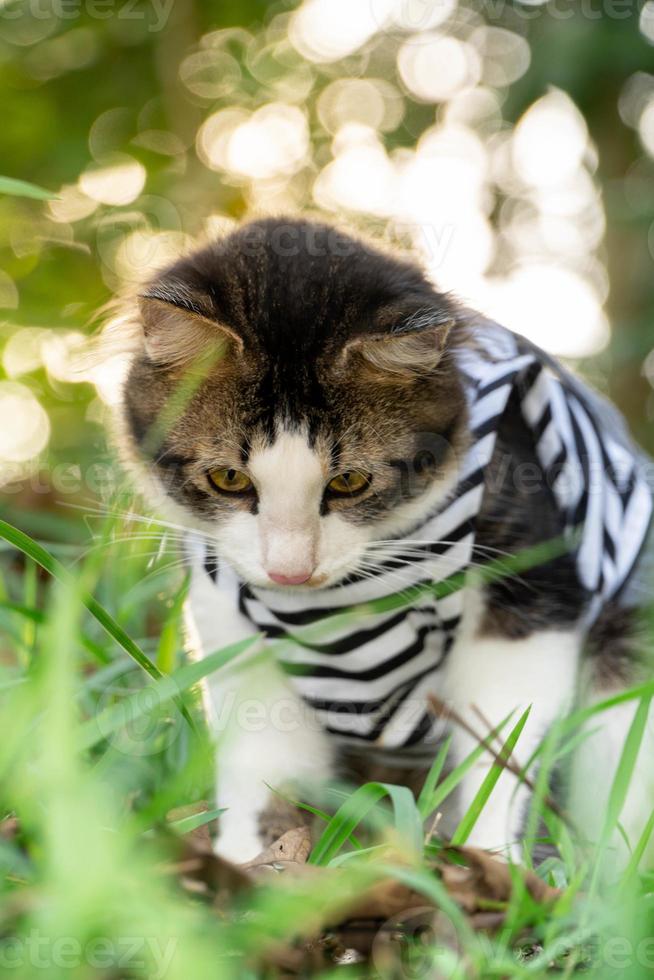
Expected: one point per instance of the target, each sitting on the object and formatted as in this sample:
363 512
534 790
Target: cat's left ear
402 346
174 336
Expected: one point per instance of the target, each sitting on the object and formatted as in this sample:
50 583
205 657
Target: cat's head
293 394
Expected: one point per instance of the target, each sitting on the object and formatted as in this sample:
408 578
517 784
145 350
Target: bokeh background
511 144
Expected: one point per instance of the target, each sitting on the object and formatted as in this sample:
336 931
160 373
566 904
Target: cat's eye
231 481
354 481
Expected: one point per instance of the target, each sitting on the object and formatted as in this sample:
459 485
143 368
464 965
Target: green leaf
315 811
637 854
453 778
470 818
21 188
195 820
427 792
166 688
37 553
626 766
356 807
169 638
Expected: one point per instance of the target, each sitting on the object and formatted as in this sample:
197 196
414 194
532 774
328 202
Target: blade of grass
30 586
37 553
621 783
58 571
470 818
37 617
637 854
434 774
625 768
453 779
195 820
166 688
548 758
22 188
356 807
169 644
313 810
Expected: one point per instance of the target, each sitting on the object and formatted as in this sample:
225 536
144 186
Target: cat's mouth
319 578
313 582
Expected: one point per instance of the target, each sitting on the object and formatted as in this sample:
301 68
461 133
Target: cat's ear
411 347
175 337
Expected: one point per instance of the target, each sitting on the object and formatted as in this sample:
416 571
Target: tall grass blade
425 805
470 818
22 188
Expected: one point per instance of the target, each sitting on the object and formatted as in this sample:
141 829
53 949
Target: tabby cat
356 457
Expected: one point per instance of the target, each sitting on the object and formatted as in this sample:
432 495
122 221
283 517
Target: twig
493 733
434 827
442 710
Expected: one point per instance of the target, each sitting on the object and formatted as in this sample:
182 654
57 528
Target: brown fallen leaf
9 827
199 870
384 900
475 879
484 878
293 847
478 881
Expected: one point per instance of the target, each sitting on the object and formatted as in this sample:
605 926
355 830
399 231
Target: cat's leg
499 675
265 735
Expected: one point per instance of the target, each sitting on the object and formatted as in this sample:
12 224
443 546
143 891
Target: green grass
102 735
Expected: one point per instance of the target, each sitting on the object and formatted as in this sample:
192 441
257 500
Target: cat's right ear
176 337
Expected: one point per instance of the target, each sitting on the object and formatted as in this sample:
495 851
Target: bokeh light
438 67
116 183
549 141
327 30
646 22
26 429
273 141
428 122
646 126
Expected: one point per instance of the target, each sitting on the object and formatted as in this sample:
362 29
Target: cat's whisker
411 563
162 539
381 542
141 519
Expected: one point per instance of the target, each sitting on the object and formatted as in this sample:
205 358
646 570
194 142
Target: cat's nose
298 579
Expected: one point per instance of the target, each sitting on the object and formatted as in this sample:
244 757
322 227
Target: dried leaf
9 827
293 847
486 878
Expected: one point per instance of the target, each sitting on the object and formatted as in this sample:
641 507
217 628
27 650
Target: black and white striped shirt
368 675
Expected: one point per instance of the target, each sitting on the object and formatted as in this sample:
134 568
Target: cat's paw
239 846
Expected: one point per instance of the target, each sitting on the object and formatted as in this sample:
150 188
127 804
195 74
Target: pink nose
290 579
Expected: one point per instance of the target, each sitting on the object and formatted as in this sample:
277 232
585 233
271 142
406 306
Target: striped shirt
368 674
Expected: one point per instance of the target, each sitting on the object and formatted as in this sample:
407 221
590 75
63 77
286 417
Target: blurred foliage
88 86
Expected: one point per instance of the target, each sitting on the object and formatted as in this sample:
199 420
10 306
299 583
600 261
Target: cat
334 431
